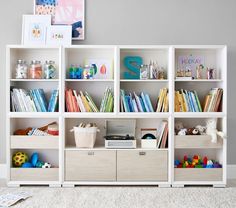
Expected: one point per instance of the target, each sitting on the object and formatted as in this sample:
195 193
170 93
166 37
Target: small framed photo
64 12
58 35
34 29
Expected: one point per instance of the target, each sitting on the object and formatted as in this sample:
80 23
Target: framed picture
103 68
59 35
34 29
64 12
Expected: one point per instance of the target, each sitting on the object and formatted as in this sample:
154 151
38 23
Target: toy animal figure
192 131
182 132
201 129
211 130
178 126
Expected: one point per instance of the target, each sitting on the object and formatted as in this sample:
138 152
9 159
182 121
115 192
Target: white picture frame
58 35
64 12
34 29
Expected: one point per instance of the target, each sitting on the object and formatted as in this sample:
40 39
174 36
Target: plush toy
211 130
182 132
201 129
19 158
192 131
178 126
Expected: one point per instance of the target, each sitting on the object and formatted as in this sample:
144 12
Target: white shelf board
89 80
34 80
73 148
143 115
199 115
88 115
33 115
200 80
144 80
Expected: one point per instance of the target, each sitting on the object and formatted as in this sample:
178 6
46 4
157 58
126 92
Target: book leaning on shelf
33 101
132 102
162 135
187 101
83 102
162 101
212 102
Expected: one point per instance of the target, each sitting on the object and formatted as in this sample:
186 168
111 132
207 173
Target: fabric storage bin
85 137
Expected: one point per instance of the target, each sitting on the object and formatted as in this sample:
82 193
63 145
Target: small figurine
210 73
199 71
161 74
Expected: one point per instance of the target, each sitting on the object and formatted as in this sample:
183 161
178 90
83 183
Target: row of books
162 135
162 101
83 102
33 101
131 102
187 101
212 100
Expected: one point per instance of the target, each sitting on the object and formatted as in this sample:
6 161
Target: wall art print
64 12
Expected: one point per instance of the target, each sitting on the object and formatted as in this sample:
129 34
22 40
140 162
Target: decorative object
103 68
210 73
21 70
132 63
148 138
64 12
34 29
211 129
35 70
49 70
199 70
59 35
144 72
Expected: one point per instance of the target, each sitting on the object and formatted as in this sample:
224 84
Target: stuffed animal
212 131
178 126
192 131
201 129
182 132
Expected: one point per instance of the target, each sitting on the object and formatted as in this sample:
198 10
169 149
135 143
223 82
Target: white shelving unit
100 166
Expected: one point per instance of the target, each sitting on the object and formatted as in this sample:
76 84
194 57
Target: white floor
123 196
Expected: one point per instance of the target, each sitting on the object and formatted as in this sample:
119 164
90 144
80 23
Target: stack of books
107 101
83 102
162 135
213 100
187 101
131 102
162 101
33 101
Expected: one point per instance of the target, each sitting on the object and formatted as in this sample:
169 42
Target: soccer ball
19 158
46 165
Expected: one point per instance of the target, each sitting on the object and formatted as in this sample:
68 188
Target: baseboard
3 171
231 171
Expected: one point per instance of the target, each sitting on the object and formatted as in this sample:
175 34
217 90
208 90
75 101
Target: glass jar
35 70
49 70
88 72
73 72
144 72
21 70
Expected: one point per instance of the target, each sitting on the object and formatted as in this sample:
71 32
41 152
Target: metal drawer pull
90 153
142 153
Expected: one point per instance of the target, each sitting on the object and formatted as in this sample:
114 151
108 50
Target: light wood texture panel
34 174
200 141
198 174
90 165
30 142
147 165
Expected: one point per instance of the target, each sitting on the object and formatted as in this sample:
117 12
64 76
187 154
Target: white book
23 98
19 102
135 105
160 132
81 105
138 103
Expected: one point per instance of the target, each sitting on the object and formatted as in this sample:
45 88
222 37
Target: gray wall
140 22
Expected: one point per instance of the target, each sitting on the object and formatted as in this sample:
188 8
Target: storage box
85 137
148 139
148 143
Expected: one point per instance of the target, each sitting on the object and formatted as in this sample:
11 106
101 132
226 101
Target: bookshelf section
96 84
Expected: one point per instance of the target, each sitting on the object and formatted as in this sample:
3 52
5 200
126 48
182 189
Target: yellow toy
19 158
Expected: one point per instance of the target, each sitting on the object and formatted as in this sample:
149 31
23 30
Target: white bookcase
100 166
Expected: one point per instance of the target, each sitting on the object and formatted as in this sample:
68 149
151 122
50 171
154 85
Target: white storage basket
85 137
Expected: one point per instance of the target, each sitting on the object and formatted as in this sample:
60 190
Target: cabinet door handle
142 153
90 153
